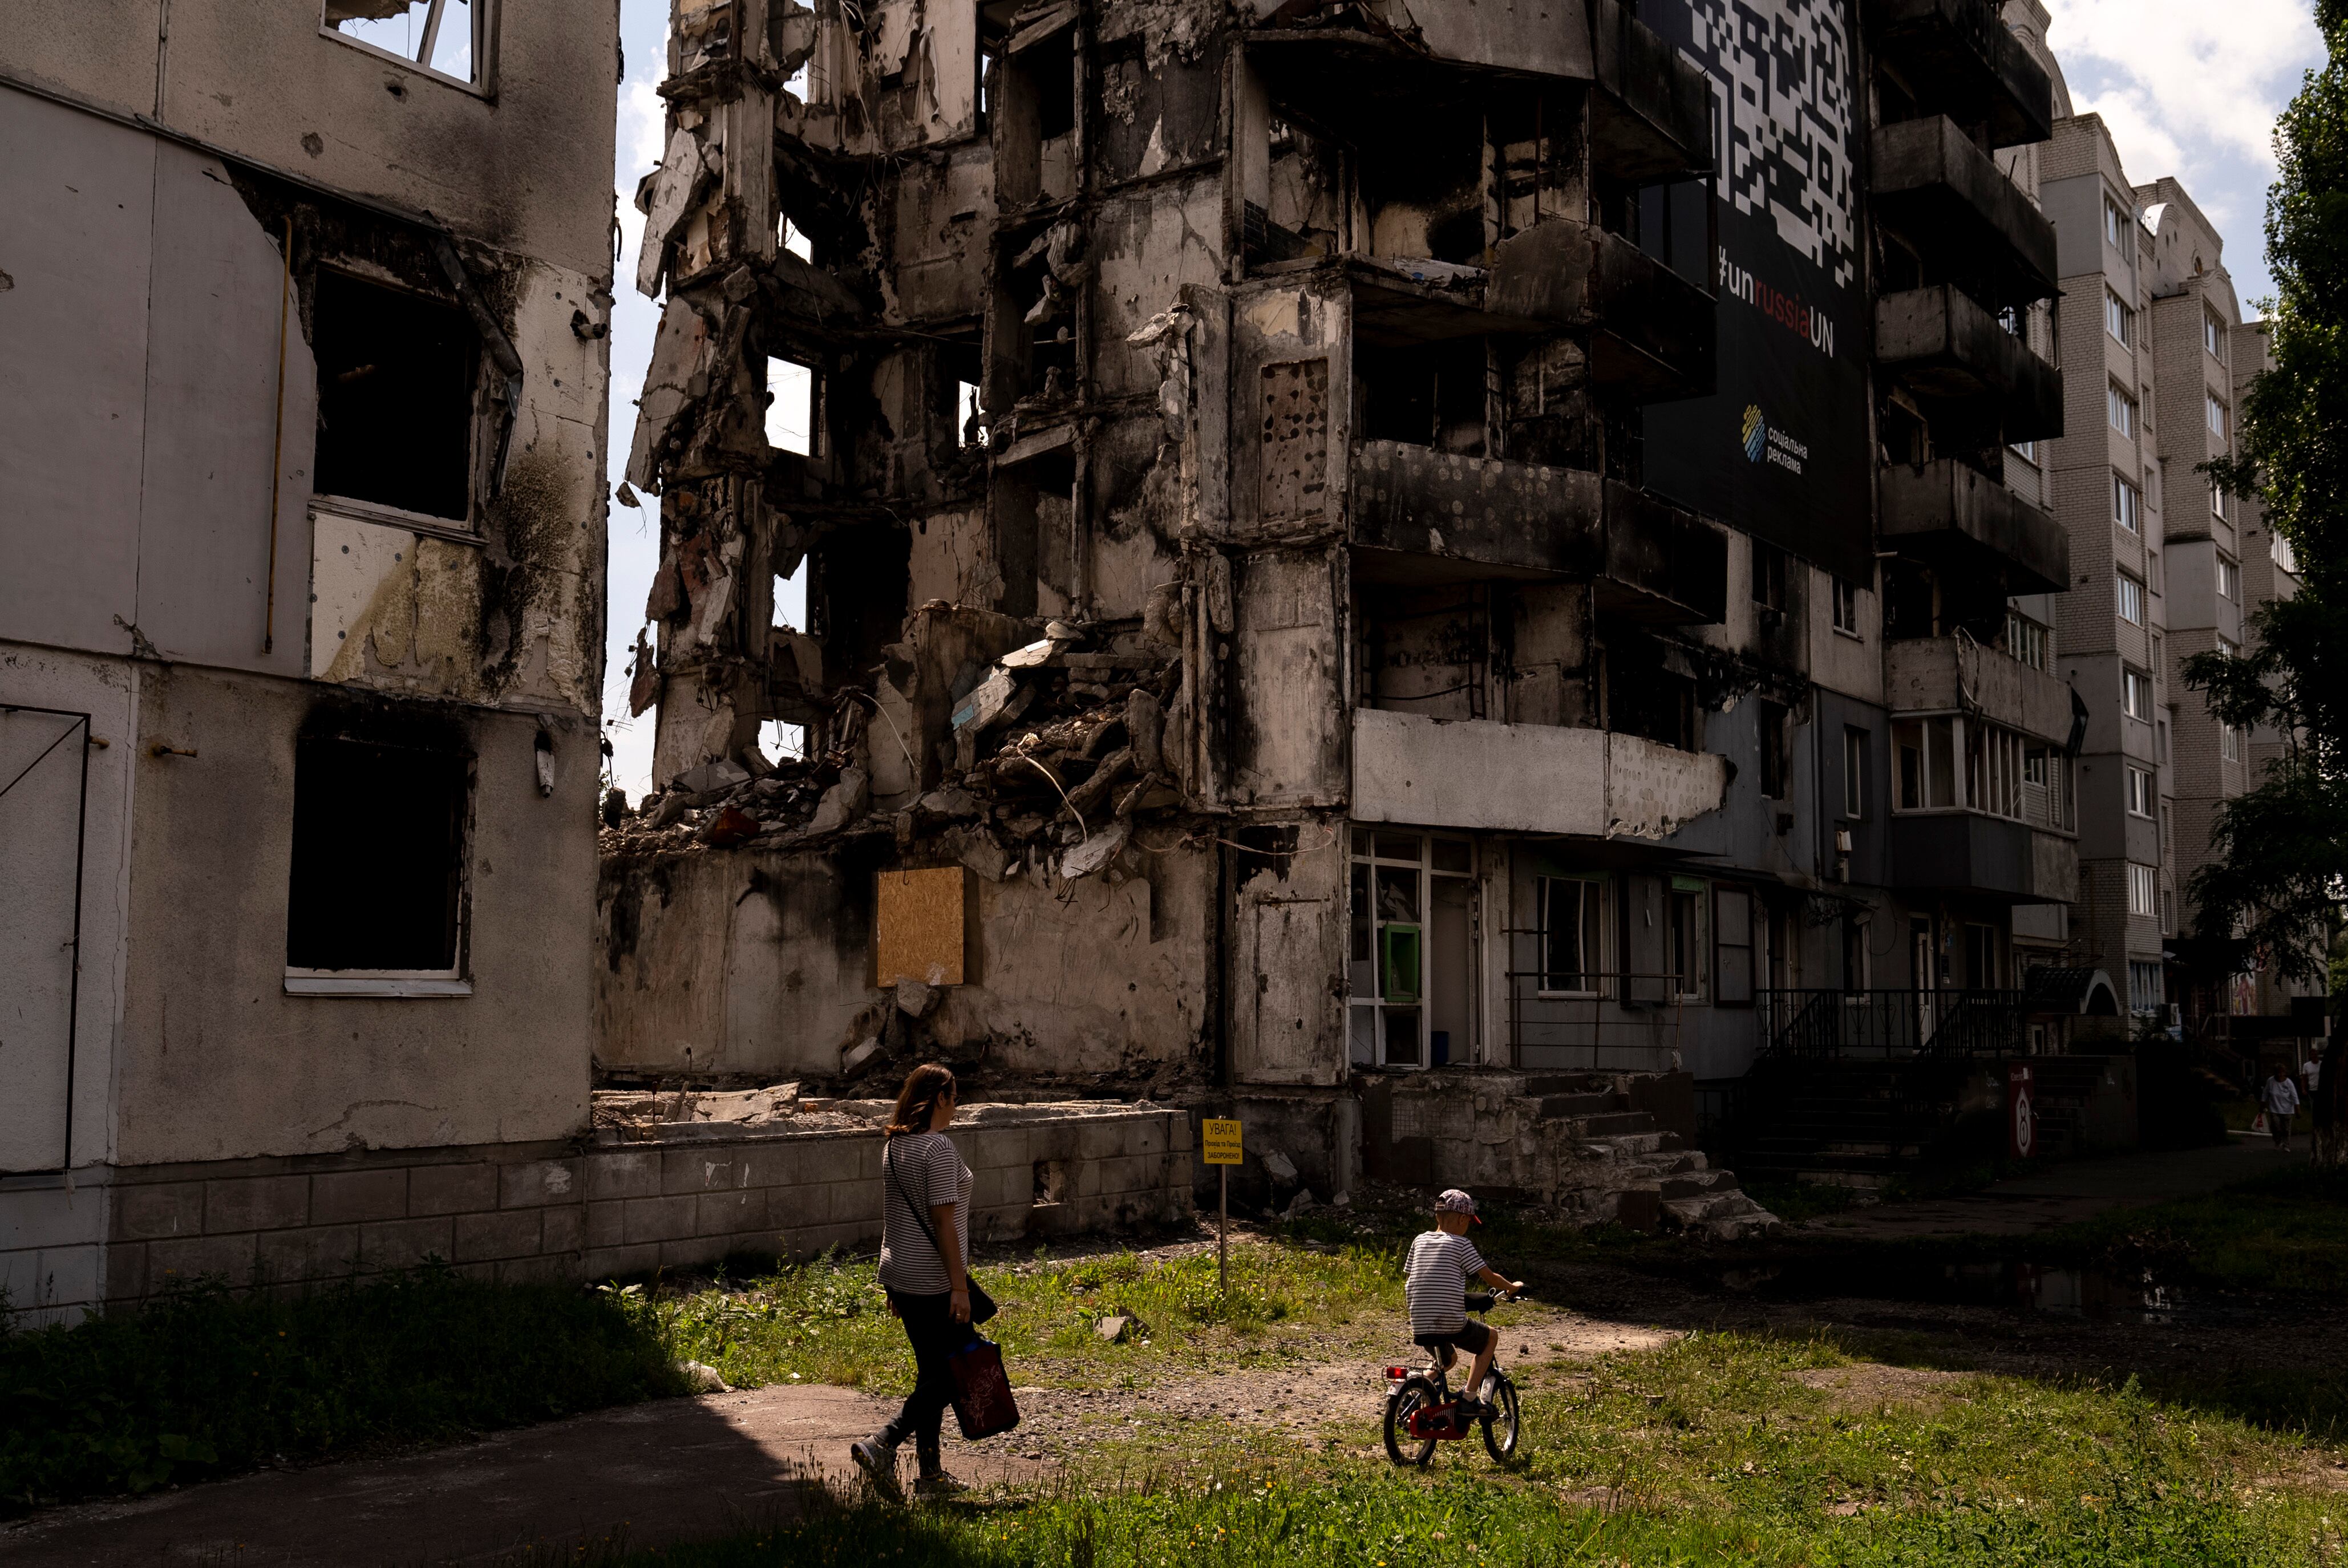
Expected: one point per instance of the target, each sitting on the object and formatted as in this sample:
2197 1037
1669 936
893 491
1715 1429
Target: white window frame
2119 321
2139 791
2136 694
2229 581
2128 598
1846 606
2127 504
2214 412
2229 743
2143 891
1854 773
483 50
2120 409
1591 912
2213 334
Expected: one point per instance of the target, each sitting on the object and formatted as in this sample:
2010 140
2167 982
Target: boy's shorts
1470 1336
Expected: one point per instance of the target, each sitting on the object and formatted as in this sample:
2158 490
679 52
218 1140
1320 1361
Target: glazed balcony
1956 57
1934 188
1948 350
1418 513
1948 515
1652 332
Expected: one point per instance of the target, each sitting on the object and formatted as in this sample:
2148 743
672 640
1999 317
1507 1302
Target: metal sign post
1219 1145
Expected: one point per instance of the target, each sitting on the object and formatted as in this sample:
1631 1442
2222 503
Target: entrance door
1922 968
43 757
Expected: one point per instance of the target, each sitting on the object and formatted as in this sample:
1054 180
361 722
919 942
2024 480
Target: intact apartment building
303 379
2155 354
1341 542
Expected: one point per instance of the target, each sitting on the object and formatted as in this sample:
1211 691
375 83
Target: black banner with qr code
1781 448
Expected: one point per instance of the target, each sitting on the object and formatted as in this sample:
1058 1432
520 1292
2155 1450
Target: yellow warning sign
1219 1142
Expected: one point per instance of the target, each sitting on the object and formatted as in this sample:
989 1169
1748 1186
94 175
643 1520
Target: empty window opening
378 858
396 372
790 407
441 36
1424 397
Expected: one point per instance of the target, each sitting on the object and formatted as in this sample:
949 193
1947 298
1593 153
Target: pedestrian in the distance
924 1253
2279 1097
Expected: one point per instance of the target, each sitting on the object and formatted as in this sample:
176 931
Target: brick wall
566 1211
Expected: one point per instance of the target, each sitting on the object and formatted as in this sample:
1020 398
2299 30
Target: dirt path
685 1468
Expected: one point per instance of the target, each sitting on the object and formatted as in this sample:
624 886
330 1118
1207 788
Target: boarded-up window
918 926
1295 439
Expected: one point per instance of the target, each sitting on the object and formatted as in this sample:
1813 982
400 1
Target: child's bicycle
1422 1412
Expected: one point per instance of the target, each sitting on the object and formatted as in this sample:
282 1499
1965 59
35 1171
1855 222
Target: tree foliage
2281 860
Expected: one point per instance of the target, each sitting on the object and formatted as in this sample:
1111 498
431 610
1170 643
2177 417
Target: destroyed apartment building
1340 551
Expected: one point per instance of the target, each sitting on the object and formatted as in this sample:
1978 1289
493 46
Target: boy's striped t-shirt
1434 1281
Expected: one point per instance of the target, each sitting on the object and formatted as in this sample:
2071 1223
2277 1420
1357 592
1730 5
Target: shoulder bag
982 1305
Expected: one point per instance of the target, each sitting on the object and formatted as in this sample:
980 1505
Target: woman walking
924 1252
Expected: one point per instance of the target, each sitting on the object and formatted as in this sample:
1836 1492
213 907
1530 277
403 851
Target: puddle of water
2089 1293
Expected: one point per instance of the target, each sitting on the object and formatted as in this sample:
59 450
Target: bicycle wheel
1415 1394
1500 1426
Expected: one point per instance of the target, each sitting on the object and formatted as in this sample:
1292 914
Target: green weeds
203 1383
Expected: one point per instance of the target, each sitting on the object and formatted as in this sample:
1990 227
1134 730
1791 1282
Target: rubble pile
1057 748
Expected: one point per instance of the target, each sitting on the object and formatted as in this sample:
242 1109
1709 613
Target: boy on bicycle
1435 1284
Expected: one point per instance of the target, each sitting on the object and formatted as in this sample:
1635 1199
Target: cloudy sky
2188 88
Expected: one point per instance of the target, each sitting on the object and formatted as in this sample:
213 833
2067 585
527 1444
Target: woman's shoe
878 1460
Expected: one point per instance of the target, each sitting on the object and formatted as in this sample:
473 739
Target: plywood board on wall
919 930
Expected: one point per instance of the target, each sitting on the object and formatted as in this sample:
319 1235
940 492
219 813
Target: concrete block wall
503 1211
573 1210
707 1189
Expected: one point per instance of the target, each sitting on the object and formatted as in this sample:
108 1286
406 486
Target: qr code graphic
1783 70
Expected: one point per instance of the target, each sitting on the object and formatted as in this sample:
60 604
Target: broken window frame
484 47
492 414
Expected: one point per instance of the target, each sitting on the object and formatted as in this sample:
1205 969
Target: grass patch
827 1321
1719 1448
202 1383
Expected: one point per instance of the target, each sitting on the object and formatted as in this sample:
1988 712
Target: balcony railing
1888 1024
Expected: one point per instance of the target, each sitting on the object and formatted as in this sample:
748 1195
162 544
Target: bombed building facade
1433 575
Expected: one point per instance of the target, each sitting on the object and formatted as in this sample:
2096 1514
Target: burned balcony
1942 194
1651 118
1948 515
1955 57
1950 351
1655 331
1431 513
1956 673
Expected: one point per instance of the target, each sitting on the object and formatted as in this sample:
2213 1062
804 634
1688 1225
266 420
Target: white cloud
2191 89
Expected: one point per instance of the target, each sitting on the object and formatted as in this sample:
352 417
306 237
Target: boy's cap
1454 1201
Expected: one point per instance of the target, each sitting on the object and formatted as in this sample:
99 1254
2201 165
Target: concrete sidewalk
2076 1190
673 1470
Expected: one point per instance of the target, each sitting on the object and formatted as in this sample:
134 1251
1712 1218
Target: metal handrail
1888 1024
